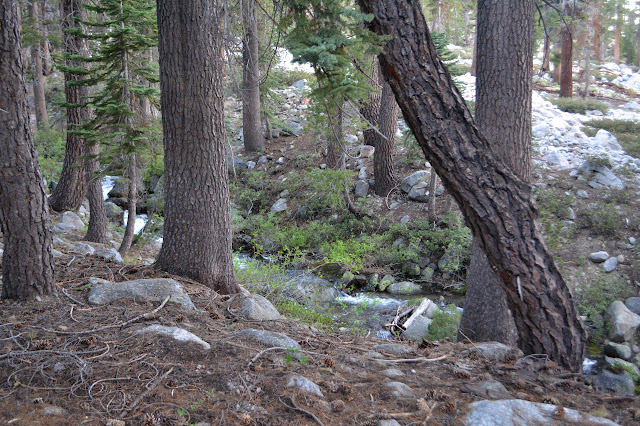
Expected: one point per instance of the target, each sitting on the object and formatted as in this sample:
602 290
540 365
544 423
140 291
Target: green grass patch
579 106
627 132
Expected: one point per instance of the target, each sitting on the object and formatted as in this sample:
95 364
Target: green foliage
351 253
445 323
553 203
603 218
626 131
579 106
50 144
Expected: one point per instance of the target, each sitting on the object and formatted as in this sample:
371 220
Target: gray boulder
618 365
633 304
69 223
607 140
255 307
622 382
366 151
293 128
361 189
114 212
385 282
151 290
176 333
419 192
603 177
412 179
305 385
404 287
517 412
623 323
489 389
300 83
109 254
418 330
498 352
410 269
599 256
83 249
279 206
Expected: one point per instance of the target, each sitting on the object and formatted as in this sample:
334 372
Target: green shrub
602 218
353 253
553 202
579 106
445 323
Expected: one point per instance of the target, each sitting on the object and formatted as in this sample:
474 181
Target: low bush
445 323
603 218
580 106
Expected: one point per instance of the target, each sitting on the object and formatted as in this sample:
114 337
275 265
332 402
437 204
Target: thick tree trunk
383 169
197 233
566 66
71 188
42 118
496 203
97 230
251 125
27 262
505 38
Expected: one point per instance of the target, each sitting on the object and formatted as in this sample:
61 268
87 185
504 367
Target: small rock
69 222
489 389
255 307
405 219
617 350
83 249
385 281
632 240
404 287
393 348
366 151
391 422
427 273
599 256
270 338
251 165
410 269
392 373
176 333
582 193
413 179
610 264
279 206
361 189
399 390
622 382
110 254
52 410
304 384
495 351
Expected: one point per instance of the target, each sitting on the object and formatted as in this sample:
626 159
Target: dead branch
302 410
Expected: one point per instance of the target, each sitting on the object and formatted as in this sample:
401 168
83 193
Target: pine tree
118 67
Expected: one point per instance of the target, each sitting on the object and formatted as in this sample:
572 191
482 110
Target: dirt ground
64 362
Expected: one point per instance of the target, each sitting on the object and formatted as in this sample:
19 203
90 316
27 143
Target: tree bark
251 125
132 203
617 35
496 203
566 66
546 58
97 229
503 115
27 262
370 110
335 146
71 188
42 118
197 235
383 169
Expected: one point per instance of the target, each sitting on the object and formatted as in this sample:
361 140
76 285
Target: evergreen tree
118 68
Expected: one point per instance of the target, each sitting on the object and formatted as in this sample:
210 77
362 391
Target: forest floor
64 362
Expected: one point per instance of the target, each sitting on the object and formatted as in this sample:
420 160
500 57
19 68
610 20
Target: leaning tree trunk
251 126
503 115
42 118
197 233
496 203
27 262
383 169
71 188
566 66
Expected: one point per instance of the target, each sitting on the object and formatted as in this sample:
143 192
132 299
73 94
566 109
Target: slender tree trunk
371 110
596 40
71 188
42 118
132 203
566 67
496 203
474 58
197 233
383 169
431 203
638 43
546 58
587 74
616 39
251 126
27 262
335 147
